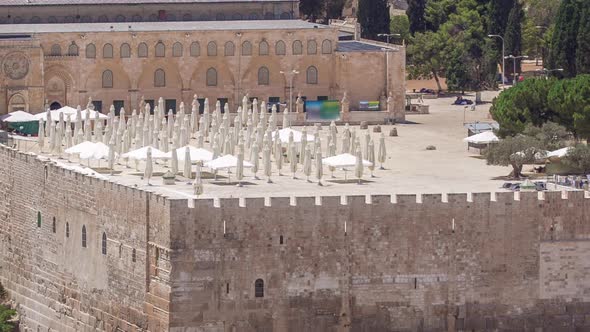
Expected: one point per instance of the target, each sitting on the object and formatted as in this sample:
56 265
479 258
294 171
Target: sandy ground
409 168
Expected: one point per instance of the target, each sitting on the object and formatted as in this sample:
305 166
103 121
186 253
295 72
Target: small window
170 105
263 76
259 288
247 48
263 48
118 104
211 49
104 243
52 19
322 98
227 288
125 51
280 48
38 219
67 229
229 49
297 47
160 50
133 255
120 18
177 50
253 16
285 16
35 19
195 49
312 75
120 250
211 77
281 239
107 79
107 51
83 236
86 19
73 49
220 17
103 19
159 78
312 47
142 50
55 50
90 51
326 47
136 18
269 16
53 226
236 17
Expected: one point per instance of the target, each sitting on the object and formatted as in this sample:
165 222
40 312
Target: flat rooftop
359 46
122 2
409 169
161 26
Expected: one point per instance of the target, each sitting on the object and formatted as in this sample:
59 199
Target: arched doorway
55 106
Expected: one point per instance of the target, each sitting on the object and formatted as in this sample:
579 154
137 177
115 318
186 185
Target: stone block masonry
451 262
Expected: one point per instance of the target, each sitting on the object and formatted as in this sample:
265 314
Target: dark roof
117 2
357 46
479 127
12 29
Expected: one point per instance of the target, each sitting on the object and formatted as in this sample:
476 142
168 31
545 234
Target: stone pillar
345 108
299 108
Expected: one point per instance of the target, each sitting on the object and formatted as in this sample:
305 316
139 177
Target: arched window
86 19
159 78
133 255
211 49
170 17
229 49
35 19
246 48
67 229
263 48
73 49
160 50
142 50
220 17
90 51
253 16
53 226
326 47
136 18
187 17
55 50
263 76
83 236
107 51
285 16
39 219
177 50
125 51
120 18
259 288
297 47
104 243
269 16
103 18
195 49
211 77
236 17
107 79
312 75
312 47
280 48
52 19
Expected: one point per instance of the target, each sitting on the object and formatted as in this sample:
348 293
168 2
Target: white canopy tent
486 137
344 160
297 136
196 154
559 153
141 154
96 151
84 147
226 162
19 116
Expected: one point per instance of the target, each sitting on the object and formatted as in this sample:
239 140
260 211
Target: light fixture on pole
546 71
503 57
389 35
290 75
514 58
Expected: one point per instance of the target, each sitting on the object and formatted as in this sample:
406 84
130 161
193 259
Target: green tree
562 53
438 13
583 42
551 135
513 35
311 9
516 152
6 314
400 24
578 158
416 15
426 56
571 101
334 9
373 15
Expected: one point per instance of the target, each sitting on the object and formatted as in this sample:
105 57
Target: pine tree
562 52
513 35
416 14
373 15
334 9
583 42
311 9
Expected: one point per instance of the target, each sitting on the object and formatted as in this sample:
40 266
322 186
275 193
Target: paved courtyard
409 168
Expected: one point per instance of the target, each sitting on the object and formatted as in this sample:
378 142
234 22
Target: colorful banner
369 106
322 110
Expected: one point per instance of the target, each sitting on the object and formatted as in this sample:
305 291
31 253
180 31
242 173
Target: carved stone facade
119 63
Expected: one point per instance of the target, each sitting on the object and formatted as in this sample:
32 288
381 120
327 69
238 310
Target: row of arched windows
84 236
149 18
56 50
211 77
195 49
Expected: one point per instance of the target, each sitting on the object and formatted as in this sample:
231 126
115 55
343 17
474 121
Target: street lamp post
290 75
514 65
540 28
387 36
546 71
503 57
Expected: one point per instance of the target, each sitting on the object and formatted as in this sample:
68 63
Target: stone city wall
56 283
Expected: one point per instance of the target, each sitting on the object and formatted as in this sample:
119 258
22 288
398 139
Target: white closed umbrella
286 118
240 168
111 156
267 163
68 133
174 161
98 131
303 146
254 159
359 167
41 135
187 170
345 142
319 167
198 182
149 167
293 159
382 155
371 156
53 138
307 163
279 156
